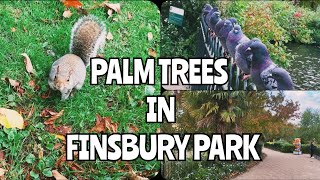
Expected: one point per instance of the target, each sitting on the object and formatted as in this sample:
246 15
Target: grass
40 30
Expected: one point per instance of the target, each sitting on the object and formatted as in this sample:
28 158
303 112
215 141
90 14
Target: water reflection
305 66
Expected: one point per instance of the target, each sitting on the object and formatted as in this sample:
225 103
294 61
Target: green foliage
285 147
275 23
309 126
179 41
200 170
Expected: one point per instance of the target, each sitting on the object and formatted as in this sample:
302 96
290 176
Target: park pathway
279 165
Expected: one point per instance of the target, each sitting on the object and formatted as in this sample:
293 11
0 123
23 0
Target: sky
306 99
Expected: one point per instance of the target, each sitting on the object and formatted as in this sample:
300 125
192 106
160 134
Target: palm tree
220 111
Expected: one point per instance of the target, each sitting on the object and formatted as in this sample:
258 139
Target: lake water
305 66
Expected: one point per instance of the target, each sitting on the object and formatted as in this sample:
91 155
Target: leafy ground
39 29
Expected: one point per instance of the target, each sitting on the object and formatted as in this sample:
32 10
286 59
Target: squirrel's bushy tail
87 37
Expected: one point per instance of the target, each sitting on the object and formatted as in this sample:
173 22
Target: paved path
279 165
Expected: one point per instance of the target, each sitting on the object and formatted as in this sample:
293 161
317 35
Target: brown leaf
116 6
13 83
53 118
28 63
16 85
60 161
57 146
100 125
2 156
150 36
129 15
109 36
30 112
104 123
25 29
32 83
132 128
47 112
58 176
152 52
72 3
63 130
13 29
67 14
46 95
37 88
20 90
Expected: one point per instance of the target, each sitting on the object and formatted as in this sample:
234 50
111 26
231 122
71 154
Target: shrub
286 147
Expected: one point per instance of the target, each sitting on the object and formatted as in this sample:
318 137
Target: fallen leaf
53 118
110 11
37 88
152 52
13 29
28 63
40 152
2 155
116 7
61 137
57 146
129 15
63 130
32 83
13 83
67 14
2 172
20 90
132 128
46 95
47 112
72 3
109 36
150 36
25 29
11 119
61 160
30 112
58 176
16 85
104 123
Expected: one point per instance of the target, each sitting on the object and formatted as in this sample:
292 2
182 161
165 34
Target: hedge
289 148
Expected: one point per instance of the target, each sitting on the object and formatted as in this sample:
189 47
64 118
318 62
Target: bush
275 23
286 147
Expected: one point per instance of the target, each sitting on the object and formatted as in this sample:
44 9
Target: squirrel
68 73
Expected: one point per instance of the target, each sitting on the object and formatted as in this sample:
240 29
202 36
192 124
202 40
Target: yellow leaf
11 119
59 137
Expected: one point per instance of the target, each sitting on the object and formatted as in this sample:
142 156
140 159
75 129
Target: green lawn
42 33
